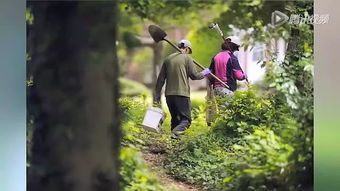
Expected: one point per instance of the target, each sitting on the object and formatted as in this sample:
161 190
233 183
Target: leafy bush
293 81
248 147
251 145
246 112
263 164
133 110
135 174
199 160
198 157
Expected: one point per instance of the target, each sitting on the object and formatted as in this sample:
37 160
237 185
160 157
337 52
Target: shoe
173 136
178 133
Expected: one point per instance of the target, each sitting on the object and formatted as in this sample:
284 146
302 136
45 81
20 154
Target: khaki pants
221 91
212 108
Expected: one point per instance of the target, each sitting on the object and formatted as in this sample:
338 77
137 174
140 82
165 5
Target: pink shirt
221 61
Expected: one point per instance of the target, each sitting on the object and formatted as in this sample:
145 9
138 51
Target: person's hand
157 99
206 71
245 76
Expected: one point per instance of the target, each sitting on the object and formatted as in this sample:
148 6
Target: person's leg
224 93
170 101
211 108
183 106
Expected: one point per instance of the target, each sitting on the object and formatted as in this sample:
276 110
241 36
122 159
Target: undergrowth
247 148
250 146
135 174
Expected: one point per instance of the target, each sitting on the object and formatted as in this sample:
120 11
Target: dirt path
155 162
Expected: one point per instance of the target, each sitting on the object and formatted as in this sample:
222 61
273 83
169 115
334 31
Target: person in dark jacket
176 70
225 66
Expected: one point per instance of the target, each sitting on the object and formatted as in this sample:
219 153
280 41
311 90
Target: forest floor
156 162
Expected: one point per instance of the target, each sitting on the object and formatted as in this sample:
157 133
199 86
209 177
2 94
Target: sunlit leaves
29 17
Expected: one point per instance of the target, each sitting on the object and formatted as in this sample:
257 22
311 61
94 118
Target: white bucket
153 119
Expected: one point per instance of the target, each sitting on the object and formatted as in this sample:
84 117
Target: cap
234 39
185 44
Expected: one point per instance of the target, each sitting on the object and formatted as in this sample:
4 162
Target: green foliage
166 10
245 112
199 160
132 88
135 174
198 104
133 110
293 81
29 17
248 147
206 44
263 164
198 157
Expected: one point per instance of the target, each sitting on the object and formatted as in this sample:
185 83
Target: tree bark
74 99
157 60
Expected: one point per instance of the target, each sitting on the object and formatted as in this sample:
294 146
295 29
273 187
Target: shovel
158 34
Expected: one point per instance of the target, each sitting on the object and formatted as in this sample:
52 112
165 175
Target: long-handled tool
158 34
217 28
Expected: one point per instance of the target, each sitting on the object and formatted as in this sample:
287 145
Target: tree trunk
74 98
157 59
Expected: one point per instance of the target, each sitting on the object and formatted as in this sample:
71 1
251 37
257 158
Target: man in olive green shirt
176 71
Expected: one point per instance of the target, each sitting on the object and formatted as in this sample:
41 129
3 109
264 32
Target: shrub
199 160
133 110
263 164
198 157
248 147
135 174
246 112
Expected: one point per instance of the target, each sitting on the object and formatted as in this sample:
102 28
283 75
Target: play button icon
279 18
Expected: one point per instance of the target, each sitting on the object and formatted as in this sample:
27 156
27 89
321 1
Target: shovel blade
156 33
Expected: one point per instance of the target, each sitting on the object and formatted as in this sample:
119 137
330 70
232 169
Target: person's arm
192 72
212 66
237 70
161 79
